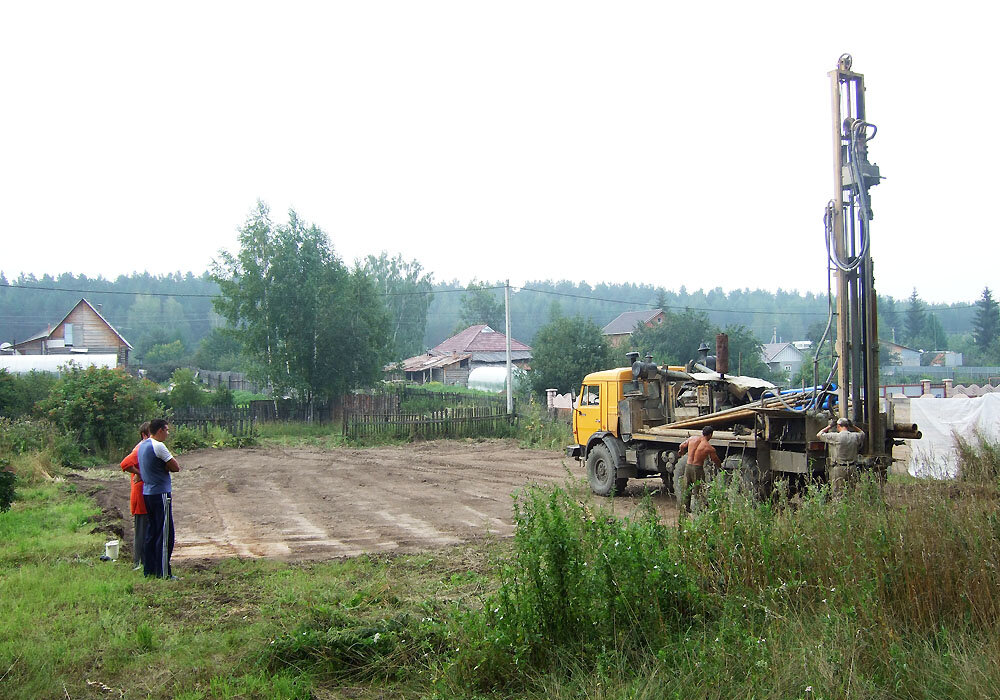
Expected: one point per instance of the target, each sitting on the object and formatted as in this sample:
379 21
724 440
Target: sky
639 142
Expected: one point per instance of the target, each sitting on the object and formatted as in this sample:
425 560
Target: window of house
788 368
68 333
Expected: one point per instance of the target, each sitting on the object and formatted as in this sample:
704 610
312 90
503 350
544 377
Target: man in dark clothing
155 465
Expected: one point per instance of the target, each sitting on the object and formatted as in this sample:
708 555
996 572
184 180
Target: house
451 361
945 358
83 331
782 357
620 329
907 357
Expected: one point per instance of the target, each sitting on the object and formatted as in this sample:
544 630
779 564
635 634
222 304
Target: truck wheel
679 481
602 472
753 479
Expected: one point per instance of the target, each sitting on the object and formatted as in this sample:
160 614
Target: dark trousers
139 544
159 536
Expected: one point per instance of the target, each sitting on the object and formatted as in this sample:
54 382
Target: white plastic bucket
111 549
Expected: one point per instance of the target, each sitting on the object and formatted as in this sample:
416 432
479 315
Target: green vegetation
869 596
565 351
100 409
306 324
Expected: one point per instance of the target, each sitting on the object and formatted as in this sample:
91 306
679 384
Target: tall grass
978 459
842 595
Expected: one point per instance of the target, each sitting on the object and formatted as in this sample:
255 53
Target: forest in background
171 315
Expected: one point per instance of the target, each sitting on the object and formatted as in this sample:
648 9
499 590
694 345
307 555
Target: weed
978 458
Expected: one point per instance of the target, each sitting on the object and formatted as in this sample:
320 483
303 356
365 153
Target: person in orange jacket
137 505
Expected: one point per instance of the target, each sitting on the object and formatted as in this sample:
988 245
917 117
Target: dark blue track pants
159 536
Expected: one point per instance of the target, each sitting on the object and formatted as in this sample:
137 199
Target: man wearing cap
845 443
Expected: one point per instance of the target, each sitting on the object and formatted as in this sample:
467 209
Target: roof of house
895 347
626 322
479 338
772 350
419 363
48 331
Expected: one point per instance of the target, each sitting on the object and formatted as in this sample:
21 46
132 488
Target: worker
699 450
845 443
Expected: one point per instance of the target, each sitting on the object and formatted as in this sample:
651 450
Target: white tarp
935 455
23 364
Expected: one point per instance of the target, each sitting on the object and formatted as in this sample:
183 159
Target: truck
629 422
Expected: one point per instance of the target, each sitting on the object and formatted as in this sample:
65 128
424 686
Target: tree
307 325
161 360
480 305
185 391
746 354
564 351
916 317
406 293
100 408
219 350
986 325
676 340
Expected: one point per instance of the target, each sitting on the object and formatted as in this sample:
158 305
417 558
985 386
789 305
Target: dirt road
308 504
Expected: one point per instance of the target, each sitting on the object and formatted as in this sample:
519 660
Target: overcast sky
660 143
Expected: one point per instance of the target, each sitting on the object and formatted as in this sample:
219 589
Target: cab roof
619 374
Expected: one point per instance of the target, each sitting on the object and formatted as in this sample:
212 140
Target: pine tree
986 325
916 318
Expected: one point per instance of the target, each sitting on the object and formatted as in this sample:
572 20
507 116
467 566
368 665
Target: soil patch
302 504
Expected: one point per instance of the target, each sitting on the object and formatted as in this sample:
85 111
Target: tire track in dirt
303 504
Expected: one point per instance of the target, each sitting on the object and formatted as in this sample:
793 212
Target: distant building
620 329
83 331
945 358
782 357
451 360
904 356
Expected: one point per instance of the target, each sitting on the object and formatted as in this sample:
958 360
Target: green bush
19 393
185 439
100 408
186 391
7 483
20 436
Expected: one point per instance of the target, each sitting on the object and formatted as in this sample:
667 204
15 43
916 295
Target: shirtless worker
845 443
698 449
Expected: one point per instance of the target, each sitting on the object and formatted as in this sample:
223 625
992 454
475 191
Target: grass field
890 593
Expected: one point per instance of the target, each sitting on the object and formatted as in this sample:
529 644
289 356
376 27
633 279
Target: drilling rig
631 421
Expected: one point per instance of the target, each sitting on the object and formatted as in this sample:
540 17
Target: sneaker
173 578
137 568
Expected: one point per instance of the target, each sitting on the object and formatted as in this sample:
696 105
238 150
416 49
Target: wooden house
83 331
451 360
619 331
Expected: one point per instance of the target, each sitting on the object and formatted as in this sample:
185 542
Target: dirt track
309 504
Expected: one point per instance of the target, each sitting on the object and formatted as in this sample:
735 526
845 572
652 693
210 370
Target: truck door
588 412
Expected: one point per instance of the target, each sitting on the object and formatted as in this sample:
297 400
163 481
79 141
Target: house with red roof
451 360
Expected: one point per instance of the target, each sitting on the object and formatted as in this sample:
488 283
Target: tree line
286 308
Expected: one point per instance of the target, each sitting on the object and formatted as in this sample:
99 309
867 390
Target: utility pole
506 313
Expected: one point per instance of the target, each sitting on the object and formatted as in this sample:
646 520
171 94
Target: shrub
185 439
19 394
7 482
20 436
185 391
100 408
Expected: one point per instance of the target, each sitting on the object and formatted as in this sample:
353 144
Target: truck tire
753 479
679 481
602 472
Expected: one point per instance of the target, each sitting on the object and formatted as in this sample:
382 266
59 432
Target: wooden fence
451 422
238 421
